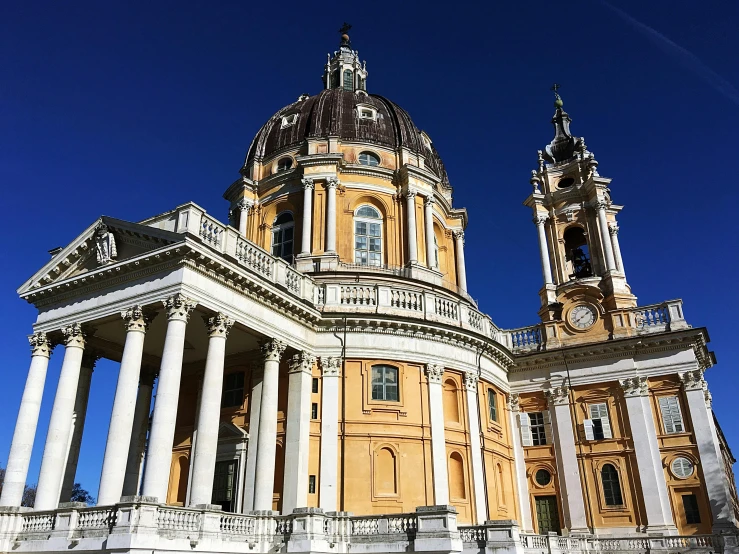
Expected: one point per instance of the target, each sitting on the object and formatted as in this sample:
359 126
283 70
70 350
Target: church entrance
224 483
547 514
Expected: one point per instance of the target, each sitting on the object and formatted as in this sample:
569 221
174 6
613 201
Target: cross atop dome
343 70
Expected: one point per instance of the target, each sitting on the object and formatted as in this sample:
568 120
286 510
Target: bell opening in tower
577 253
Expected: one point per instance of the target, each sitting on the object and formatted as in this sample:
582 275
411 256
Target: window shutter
606 423
525 424
600 411
547 426
588 424
671 416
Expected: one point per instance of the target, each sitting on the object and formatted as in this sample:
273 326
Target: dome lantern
344 70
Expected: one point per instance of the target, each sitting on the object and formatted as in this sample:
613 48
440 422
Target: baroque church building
313 376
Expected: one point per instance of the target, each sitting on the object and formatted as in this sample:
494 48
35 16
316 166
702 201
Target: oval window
543 477
682 467
368 158
567 182
284 164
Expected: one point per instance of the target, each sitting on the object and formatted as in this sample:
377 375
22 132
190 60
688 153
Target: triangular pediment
89 252
229 432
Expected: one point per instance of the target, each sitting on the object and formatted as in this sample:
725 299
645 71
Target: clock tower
585 293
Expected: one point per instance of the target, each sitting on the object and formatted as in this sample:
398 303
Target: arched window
385 472
457 489
611 486
282 236
451 401
367 236
385 383
577 254
348 79
369 158
436 253
284 164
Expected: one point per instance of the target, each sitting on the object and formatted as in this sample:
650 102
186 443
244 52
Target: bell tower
585 288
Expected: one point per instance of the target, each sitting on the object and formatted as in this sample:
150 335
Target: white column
78 424
410 205
613 230
329 470
434 373
524 507
54 459
120 430
568 467
461 268
648 458
473 415
605 238
264 479
428 219
255 403
243 206
305 239
297 434
711 460
16 471
140 428
546 267
209 415
331 185
164 419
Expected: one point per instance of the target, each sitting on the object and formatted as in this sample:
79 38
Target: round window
682 467
284 164
565 183
543 477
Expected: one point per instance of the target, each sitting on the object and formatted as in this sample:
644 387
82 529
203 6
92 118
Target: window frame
612 488
674 412
598 427
281 228
384 383
492 406
225 392
289 120
368 221
538 429
694 510
370 156
279 166
350 81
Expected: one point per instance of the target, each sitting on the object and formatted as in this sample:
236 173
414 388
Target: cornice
309 160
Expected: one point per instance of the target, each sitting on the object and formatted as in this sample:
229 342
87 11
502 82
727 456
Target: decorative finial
557 98
344 36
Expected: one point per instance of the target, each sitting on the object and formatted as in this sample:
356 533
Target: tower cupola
344 70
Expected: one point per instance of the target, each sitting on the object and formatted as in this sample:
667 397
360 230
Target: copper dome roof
334 112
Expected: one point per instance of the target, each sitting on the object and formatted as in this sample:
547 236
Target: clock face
582 316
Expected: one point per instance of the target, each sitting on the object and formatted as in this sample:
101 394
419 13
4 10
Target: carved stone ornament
302 362
272 350
307 183
535 181
330 366
219 325
558 396
693 380
458 235
40 344
540 219
244 205
429 201
179 306
136 318
73 335
613 229
470 380
434 373
105 247
332 183
410 194
634 386
601 205
514 402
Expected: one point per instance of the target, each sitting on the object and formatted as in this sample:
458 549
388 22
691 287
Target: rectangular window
311 484
314 410
233 390
492 405
692 513
538 429
598 427
314 386
385 383
224 485
671 416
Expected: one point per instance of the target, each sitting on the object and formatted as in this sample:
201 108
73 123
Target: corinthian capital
613 229
272 350
179 306
434 373
410 194
514 404
693 380
540 219
557 396
40 344
470 381
330 366
332 183
302 363
429 201
244 205
307 183
634 386
136 318
219 325
458 235
73 335
601 205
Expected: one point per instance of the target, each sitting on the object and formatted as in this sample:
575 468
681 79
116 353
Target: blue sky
130 108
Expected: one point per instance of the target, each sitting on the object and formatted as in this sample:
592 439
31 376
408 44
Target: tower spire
344 70
563 145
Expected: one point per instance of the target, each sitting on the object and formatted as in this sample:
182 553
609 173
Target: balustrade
447 308
233 524
174 519
211 231
474 533
358 295
406 300
254 258
97 518
525 338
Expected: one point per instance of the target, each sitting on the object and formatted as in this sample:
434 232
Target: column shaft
410 205
428 219
616 248
434 373
605 238
461 268
331 216
140 427
267 440
19 458
54 459
243 220
120 431
305 239
297 434
329 471
546 267
161 438
209 415
473 416
255 403
78 426
524 507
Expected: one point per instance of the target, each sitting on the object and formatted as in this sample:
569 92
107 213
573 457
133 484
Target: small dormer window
284 164
366 112
369 158
348 79
288 120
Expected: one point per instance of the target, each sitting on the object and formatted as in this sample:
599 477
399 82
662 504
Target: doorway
547 514
224 480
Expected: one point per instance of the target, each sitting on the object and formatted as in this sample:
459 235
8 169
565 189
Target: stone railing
656 318
554 544
524 339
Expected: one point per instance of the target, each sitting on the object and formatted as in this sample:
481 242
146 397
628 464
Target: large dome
335 113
